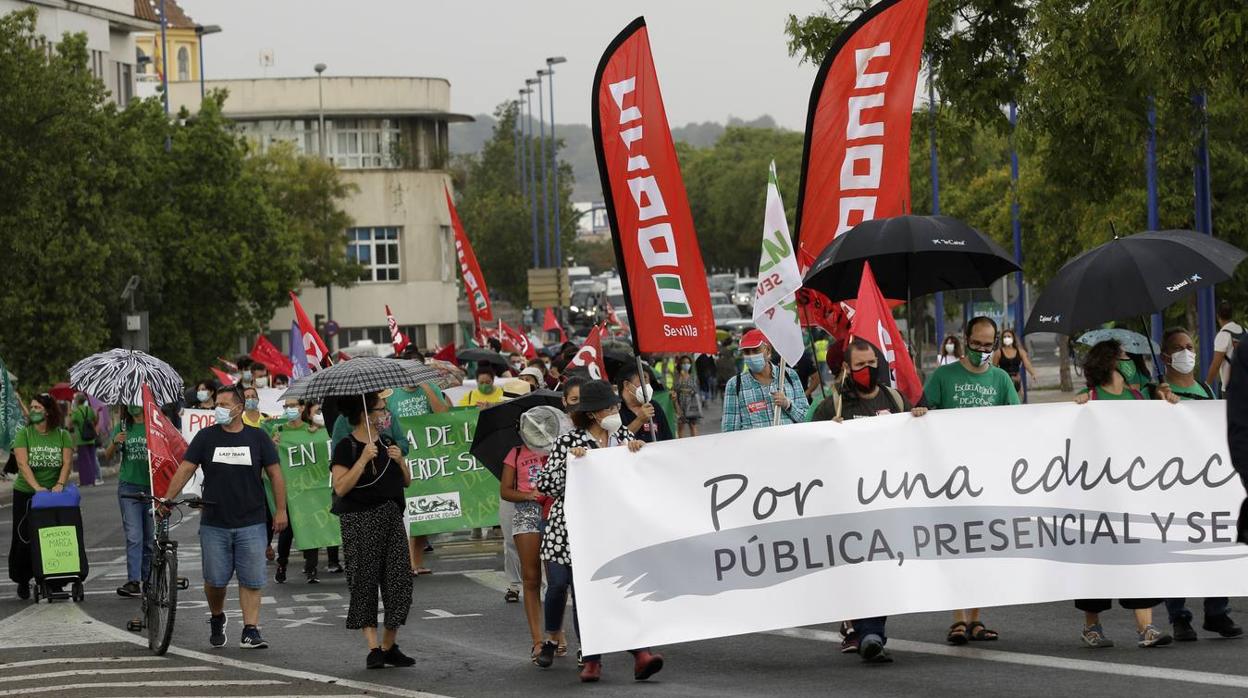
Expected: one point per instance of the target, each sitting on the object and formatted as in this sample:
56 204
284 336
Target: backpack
89 432
1236 337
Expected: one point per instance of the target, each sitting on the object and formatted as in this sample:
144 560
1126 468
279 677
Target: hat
534 372
383 394
541 425
514 387
596 395
753 339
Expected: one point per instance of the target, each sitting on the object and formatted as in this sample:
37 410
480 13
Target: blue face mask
251 404
224 415
756 363
291 413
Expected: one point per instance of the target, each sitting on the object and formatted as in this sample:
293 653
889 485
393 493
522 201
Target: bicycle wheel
162 602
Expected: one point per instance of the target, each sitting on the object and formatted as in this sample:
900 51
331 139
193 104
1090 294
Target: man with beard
861 396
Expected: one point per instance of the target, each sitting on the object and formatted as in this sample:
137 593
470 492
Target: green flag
450 489
304 458
11 417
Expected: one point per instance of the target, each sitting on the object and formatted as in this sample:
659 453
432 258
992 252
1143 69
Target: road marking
1037 660
105 672
144 684
79 660
436 613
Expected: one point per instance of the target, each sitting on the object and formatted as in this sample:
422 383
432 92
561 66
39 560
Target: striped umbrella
365 374
116 377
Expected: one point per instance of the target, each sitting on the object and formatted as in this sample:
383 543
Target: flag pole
775 422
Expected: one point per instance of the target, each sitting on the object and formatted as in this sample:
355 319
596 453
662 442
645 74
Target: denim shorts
229 550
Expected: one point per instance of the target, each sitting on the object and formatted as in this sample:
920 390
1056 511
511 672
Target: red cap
753 339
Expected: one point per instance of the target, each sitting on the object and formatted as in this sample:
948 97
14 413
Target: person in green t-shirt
44 452
88 462
416 401
299 417
971 381
134 477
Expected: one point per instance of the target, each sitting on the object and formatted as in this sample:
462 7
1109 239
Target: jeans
229 550
1214 606
871 626
136 522
560 577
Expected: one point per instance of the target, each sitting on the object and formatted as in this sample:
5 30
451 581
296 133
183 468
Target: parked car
743 295
718 298
728 317
722 283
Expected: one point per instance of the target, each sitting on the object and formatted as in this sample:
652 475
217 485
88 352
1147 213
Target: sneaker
335 568
511 596
394 657
1222 625
23 591
1094 636
849 645
312 578
376 658
645 665
280 575
216 632
1152 637
592 671
1184 632
872 650
546 656
129 590
580 660
251 639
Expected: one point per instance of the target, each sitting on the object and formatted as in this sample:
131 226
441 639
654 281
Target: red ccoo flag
856 161
397 338
550 323
474 281
225 378
165 446
272 358
873 322
518 340
589 356
313 346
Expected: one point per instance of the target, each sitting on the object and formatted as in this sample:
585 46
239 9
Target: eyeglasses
981 347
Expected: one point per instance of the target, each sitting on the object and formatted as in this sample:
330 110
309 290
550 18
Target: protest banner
450 489
818 522
304 457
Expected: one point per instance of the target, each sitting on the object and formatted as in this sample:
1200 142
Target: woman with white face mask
950 351
1012 358
597 420
1178 352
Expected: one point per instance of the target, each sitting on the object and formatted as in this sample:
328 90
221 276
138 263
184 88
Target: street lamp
200 32
320 132
532 162
554 154
541 124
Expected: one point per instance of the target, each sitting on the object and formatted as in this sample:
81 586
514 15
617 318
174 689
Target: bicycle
160 589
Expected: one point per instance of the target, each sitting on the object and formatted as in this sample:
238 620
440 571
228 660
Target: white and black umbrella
116 377
365 374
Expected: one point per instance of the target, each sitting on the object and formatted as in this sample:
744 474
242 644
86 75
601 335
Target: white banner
821 522
193 421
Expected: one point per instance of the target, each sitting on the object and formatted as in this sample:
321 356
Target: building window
446 334
362 143
184 64
377 249
142 59
125 83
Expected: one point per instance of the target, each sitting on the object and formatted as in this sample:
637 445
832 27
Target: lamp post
554 154
320 132
532 163
200 32
541 125
164 64
515 141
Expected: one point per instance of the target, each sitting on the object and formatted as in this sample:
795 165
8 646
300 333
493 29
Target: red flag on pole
313 346
656 246
165 446
222 376
856 161
873 322
589 356
397 338
518 340
447 354
474 281
550 323
612 319
272 358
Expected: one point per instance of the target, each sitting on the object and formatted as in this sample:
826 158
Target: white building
109 25
389 137
592 221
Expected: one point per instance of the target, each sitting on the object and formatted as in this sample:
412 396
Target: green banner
664 399
450 490
304 458
58 550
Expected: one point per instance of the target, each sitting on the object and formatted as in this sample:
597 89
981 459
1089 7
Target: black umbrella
498 427
481 355
911 256
1131 277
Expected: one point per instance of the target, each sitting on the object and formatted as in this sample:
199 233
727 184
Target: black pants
311 557
21 566
1102 605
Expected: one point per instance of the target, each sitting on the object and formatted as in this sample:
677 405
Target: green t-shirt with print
1195 391
408 403
82 414
953 386
134 465
44 454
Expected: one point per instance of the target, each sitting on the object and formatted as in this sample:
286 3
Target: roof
150 10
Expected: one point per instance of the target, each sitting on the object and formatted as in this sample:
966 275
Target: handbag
10 466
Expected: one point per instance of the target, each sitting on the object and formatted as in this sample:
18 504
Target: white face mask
318 419
1008 341
1183 361
262 382
950 347
643 393
611 423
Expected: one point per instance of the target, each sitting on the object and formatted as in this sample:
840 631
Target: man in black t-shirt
233 531
861 396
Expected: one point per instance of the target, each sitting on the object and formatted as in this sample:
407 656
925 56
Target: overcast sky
715 58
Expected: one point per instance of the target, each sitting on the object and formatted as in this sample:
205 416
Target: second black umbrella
498 427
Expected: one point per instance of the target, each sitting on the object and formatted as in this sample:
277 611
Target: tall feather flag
397 338
775 300
165 445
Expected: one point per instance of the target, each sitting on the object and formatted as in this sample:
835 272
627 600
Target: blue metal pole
523 147
541 126
554 169
1150 162
515 144
532 177
1204 224
1020 303
935 167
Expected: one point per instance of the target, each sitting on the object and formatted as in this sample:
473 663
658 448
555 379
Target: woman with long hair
686 397
1012 357
950 351
130 436
44 452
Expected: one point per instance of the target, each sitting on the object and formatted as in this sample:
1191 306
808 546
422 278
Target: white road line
80 660
104 672
1038 660
142 684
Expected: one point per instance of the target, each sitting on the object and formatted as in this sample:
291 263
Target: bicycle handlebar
192 502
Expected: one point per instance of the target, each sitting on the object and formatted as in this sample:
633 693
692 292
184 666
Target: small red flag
518 340
313 345
397 338
165 445
225 378
447 354
550 323
272 358
589 356
873 322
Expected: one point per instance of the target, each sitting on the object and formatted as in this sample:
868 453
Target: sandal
977 632
957 634
561 650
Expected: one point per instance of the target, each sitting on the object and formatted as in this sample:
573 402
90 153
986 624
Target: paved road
470 643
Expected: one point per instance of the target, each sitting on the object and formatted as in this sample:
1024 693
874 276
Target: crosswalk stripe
104 672
142 684
80 660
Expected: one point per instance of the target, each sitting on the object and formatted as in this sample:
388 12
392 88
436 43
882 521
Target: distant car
728 317
743 295
718 298
722 283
